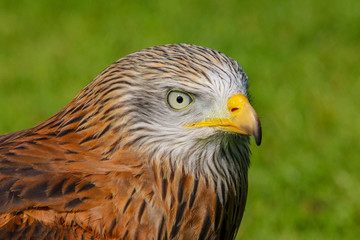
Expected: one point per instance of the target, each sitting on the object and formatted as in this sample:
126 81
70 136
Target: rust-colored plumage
128 160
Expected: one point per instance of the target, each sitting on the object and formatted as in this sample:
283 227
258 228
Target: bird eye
178 100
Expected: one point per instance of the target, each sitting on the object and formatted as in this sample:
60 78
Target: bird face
186 99
236 116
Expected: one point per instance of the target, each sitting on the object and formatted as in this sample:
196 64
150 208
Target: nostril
234 109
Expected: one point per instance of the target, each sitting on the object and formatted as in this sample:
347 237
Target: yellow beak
243 119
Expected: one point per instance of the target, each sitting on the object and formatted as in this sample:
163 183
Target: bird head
180 100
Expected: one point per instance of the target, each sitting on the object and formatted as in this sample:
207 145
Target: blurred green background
302 59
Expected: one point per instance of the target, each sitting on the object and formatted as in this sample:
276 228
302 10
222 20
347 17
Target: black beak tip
258 135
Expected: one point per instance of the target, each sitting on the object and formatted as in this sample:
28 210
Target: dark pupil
179 99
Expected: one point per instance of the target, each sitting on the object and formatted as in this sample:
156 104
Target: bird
157 146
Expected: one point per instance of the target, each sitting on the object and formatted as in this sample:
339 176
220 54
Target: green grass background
302 59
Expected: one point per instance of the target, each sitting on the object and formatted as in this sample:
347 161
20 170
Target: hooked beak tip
258 134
